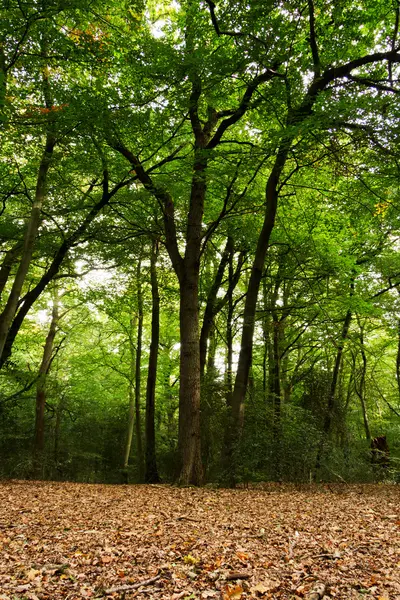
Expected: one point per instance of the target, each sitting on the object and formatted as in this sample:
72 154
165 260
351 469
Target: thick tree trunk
10 308
191 470
38 444
151 472
138 375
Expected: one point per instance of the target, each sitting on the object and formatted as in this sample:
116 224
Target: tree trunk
10 308
38 444
151 472
131 395
211 304
189 445
9 259
332 392
361 389
57 428
138 376
30 297
398 356
229 336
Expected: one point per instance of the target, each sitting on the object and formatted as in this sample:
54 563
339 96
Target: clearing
64 540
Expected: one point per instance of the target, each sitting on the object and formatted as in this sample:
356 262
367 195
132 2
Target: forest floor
64 540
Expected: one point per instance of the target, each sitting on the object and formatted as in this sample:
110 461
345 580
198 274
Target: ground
64 540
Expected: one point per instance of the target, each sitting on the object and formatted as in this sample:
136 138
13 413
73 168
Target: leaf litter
65 540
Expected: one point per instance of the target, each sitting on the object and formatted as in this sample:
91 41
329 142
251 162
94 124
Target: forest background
199 240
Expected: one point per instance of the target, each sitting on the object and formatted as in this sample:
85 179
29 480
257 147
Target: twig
127 588
237 575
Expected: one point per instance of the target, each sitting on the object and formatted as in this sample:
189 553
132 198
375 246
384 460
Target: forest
199 241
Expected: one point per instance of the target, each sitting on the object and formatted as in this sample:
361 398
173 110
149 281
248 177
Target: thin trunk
229 336
267 354
210 310
131 394
8 313
398 356
151 472
332 392
212 349
38 444
276 361
57 429
138 377
361 390
9 259
3 81
30 297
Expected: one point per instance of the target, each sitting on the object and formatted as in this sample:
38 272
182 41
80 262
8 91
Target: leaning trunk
5 269
8 313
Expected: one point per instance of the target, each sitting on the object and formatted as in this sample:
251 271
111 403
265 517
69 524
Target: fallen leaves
277 542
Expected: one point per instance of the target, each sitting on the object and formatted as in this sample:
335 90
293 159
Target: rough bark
39 437
151 471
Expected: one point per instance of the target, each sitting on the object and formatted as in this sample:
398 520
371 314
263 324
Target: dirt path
60 540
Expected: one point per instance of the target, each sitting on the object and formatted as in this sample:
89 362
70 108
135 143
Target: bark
189 446
131 394
138 376
10 308
360 391
151 471
57 428
5 269
229 336
39 437
275 391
